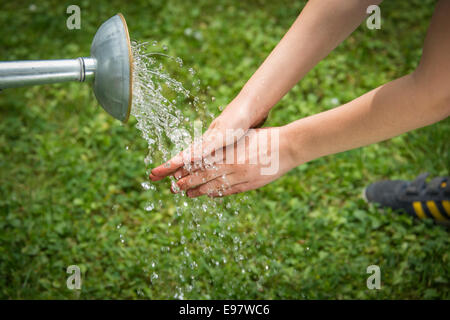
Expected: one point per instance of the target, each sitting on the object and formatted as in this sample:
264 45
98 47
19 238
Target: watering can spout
109 68
14 74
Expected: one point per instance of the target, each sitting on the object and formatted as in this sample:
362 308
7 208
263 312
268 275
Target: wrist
252 105
294 139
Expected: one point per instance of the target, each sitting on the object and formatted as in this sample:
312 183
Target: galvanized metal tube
90 66
15 74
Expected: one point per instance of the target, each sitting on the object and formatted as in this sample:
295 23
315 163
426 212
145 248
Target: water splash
154 106
165 110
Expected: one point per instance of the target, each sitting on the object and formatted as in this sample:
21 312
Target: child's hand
258 158
238 117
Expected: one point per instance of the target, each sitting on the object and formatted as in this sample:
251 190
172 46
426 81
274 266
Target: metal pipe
15 74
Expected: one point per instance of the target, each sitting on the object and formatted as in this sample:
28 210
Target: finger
212 140
237 188
167 168
202 176
155 178
218 156
214 187
187 156
216 139
207 163
180 173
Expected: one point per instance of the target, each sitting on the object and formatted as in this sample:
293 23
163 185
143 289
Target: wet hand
237 118
258 158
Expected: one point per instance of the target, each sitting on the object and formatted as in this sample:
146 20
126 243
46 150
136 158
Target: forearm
397 107
320 27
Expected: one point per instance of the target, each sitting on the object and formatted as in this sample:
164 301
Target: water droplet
149 206
146 185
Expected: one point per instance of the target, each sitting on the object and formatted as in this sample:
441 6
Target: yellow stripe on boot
435 211
417 205
446 205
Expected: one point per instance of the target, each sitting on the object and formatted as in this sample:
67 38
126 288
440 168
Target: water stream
167 113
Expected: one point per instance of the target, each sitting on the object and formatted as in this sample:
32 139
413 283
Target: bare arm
321 26
413 101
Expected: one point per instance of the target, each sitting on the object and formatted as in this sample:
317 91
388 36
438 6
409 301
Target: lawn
70 175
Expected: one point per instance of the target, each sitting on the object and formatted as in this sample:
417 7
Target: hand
237 116
258 158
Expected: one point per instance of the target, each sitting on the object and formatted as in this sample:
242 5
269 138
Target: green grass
67 180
